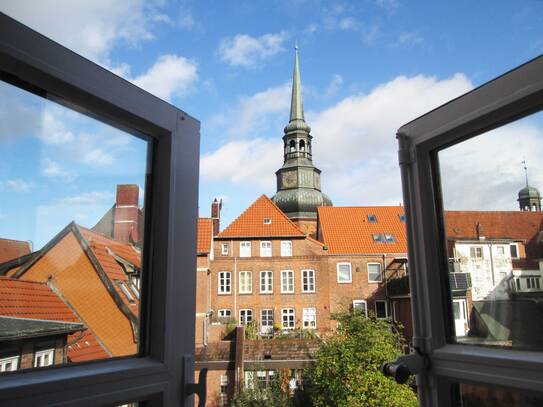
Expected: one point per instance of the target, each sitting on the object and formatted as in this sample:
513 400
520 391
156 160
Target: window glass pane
71 234
471 395
491 197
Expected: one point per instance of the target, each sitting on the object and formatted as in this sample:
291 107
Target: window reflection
71 230
493 223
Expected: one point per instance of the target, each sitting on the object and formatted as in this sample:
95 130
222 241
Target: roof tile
12 249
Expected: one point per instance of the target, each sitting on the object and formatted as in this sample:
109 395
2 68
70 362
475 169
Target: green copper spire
297 120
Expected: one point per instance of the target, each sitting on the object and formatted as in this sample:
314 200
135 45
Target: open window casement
451 159
162 337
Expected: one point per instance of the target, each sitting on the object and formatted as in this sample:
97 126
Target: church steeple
529 198
298 180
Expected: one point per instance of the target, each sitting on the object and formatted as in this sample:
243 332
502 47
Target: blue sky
367 67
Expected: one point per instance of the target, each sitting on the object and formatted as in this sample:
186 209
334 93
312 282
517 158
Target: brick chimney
216 206
126 212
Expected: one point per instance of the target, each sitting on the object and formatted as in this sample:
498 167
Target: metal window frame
39 65
505 99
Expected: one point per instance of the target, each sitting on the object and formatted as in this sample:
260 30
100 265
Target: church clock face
289 179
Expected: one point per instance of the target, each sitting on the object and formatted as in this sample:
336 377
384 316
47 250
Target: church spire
296 102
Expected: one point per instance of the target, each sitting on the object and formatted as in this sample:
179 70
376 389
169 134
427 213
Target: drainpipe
235 281
492 265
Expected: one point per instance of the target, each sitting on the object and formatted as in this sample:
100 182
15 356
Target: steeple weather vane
525 171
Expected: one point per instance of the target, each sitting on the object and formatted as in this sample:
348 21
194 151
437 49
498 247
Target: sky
367 67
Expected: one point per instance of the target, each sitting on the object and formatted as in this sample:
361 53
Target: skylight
267 221
372 218
402 217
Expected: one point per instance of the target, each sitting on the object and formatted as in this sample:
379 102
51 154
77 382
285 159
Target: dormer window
125 291
267 221
372 218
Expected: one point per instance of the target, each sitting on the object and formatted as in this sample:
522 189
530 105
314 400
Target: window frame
373 263
264 250
243 247
288 316
505 99
267 320
268 282
515 245
223 247
304 317
10 359
293 283
355 302
314 282
219 285
386 308
246 311
282 248
350 272
37 64
248 289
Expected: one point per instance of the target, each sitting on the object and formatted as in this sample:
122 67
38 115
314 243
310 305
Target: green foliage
251 330
347 368
229 332
274 394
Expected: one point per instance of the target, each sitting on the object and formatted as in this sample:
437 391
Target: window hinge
405 366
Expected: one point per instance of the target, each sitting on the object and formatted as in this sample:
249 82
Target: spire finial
525 171
296 103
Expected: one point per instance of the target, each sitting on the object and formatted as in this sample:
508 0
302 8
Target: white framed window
500 250
249 379
374 273
245 282
532 283
266 321
266 282
287 281
514 250
360 306
244 249
127 293
476 252
224 313
266 249
225 250
310 318
223 390
245 316
308 281
288 318
9 364
286 248
44 358
344 273
225 282
267 221
381 309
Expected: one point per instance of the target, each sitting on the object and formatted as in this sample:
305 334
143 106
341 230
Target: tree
347 367
274 393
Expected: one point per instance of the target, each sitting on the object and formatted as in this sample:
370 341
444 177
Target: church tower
529 198
298 180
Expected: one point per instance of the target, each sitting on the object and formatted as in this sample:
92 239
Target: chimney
126 212
216 206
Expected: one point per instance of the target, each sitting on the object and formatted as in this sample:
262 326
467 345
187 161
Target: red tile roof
514 225
34 300
205 235
251 222
347 229
12 249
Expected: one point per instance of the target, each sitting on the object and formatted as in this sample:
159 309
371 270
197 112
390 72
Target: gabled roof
514 225
348 230
12 249
205 235
251 222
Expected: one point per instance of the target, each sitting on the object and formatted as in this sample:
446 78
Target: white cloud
88 198
171 75
52 130
52 169
388 4
333 87
244 50
91 28
311 28
348 23
410 38
19 185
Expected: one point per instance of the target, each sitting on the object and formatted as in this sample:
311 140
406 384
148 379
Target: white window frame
286 248
516 248
500 101
13 360
222 277
245 282
371 263
386 308
350 280
358 302
244 314
289 313
309 315
266 281
266 248
500 249
41 355
245 249
473 250
269 328
288 290
308 275
225 249
223 311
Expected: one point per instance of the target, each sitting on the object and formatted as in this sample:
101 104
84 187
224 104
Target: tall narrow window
288 320
514 251
344 273
244 249
266 321
223 391
360 306
287 281
381 309
224 249
245 282
266 282
308 281
225 282
245 316
286 248
310 318
265 249
374 273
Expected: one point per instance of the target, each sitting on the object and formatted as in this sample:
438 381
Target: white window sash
245 282
308 281
286 248
341 273
371 265
287 281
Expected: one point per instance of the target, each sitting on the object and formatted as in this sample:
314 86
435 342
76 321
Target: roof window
402 217
267 221
372 218
390 238
383 238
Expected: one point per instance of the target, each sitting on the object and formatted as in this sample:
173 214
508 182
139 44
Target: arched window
302 145
309 146
292 146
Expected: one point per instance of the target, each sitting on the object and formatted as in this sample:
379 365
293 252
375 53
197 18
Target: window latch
190 388
405 366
